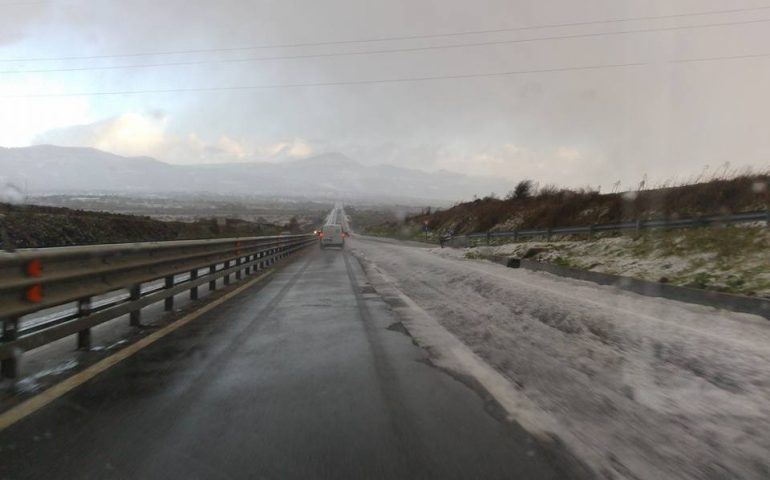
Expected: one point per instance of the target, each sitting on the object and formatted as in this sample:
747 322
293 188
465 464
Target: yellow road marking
39 401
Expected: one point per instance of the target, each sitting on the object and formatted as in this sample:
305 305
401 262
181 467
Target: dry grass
554 207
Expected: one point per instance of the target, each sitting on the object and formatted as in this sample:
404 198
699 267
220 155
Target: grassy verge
733 259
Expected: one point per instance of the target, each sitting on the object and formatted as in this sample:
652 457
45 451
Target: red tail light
321 234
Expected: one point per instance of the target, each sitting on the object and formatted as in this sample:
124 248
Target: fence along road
715 219
297 377
132 275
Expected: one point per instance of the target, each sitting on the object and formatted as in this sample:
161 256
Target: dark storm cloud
577 127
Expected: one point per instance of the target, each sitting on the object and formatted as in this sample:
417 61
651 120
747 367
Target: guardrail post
168 302
238 264
84 336
489 238
194 290
135 317
9 367
591 231
638 226
515 235
548 234
226 278
213 283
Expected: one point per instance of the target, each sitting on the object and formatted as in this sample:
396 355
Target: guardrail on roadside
547 233
33 280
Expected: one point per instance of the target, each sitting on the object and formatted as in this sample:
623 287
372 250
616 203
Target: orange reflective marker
34 268
34 293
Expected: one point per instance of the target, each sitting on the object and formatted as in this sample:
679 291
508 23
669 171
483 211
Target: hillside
47 169
29 226
551 207
734 259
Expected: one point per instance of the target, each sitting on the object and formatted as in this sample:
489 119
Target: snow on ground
734 259
637 387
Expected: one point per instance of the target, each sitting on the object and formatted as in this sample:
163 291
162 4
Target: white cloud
131 134
294 148
569 154
23 118
148 134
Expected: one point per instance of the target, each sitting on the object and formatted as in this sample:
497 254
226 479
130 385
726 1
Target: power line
387 80
386 51
722 57
389 38
329 84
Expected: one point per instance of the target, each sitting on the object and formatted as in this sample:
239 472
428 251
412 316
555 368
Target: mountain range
48 169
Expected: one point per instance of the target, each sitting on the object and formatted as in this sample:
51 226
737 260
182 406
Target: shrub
524 189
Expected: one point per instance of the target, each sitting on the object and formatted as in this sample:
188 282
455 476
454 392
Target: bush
524 189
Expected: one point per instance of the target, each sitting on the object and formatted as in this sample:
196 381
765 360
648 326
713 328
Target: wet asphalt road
299 378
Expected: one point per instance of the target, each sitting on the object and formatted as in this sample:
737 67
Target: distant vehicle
332 235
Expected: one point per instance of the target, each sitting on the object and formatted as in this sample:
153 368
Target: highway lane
298 377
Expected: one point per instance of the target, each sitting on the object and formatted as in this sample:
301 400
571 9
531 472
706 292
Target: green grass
724 242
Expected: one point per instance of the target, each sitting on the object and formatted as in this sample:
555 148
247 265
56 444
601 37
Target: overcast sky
659 117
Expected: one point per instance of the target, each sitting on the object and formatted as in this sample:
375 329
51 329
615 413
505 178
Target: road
299 376
634 386
337 217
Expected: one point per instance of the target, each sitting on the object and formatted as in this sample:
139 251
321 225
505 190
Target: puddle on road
30 385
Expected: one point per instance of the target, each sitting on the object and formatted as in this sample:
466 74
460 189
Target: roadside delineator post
213 283
194 290
84 336
168 302
135 317
238 260
9 367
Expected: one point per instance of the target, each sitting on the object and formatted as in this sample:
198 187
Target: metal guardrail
33 280
757 216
